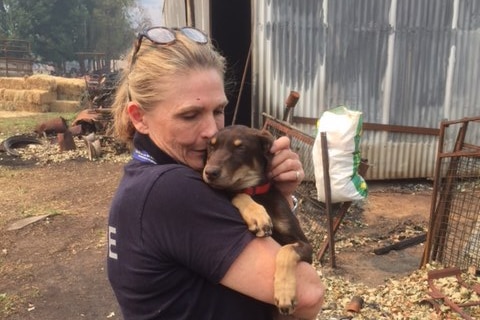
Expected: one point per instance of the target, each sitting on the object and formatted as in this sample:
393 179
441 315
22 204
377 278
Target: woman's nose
210 127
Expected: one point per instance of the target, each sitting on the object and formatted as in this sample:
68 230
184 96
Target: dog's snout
211 173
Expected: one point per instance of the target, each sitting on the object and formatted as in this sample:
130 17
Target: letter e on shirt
112 243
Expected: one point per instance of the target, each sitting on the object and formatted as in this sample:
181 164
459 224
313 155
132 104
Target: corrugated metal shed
401 62
175 13
406 64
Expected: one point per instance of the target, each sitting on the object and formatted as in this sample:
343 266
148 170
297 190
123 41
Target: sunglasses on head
166 36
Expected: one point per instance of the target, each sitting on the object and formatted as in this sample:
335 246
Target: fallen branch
401 244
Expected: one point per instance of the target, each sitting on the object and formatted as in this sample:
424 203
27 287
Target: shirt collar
145 150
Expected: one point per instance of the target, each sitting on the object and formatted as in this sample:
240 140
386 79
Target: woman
177 248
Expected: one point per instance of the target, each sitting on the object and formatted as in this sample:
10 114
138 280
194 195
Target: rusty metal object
75 130
442 210
290 103
355 305
92 120
86 120
287 129
437 294
65 141
51 126
328 197
370 126
444 206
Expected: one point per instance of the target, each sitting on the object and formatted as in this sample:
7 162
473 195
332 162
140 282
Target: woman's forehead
195 86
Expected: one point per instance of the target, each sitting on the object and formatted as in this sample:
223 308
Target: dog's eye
240 148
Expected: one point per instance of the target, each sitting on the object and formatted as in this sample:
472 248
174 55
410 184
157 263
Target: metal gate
454 229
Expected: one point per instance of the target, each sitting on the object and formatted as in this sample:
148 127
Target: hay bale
17 83
39 93
37 97
13 95
23 106
40 96
65 106
70 88
7 106
41 82
35 107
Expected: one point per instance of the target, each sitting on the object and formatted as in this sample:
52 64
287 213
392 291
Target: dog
237 160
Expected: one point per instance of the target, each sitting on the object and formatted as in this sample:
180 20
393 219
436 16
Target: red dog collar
261 189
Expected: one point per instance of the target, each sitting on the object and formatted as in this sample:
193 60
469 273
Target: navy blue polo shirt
171 240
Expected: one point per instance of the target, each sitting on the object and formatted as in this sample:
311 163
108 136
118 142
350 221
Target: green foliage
59 29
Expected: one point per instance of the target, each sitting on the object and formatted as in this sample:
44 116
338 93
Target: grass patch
6 172
8 304
39 211
11 303
25 124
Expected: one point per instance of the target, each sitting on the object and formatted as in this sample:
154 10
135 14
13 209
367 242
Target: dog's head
237 158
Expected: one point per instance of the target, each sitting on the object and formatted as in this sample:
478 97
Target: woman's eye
219 111
189 116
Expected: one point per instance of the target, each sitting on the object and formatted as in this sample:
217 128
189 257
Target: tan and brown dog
238 158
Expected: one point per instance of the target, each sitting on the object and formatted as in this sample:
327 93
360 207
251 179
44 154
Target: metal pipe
190 13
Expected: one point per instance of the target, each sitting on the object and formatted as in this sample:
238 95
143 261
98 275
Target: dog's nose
212 173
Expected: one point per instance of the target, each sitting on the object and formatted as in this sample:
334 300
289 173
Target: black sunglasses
166 36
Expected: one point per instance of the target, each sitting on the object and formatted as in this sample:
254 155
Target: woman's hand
286 169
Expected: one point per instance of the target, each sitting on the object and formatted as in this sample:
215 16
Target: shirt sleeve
187 222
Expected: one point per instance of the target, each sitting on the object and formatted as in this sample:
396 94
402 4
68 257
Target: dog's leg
285 283
254 215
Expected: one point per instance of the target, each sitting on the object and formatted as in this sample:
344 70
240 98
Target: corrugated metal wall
175 11
401 62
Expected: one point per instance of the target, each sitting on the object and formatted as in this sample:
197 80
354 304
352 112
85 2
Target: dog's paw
254 215
286 304
259 222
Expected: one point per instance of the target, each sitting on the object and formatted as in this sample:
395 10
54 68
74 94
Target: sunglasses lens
195 35
161 35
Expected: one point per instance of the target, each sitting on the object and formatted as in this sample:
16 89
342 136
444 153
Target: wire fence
454 229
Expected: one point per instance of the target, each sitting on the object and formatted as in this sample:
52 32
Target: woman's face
191 113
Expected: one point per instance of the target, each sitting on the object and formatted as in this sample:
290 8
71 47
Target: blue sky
154 8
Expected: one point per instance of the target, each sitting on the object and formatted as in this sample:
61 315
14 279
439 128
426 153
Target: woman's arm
252 274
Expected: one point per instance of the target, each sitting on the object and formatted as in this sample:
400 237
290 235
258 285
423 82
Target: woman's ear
137 116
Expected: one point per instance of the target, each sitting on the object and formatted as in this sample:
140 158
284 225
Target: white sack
343 128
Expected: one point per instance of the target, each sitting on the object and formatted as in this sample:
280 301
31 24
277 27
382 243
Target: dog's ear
266 139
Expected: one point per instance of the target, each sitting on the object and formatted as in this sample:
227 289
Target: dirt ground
55 268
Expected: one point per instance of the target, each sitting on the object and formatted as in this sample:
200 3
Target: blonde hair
155 64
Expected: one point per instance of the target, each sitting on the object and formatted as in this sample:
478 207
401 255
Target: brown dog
237 161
